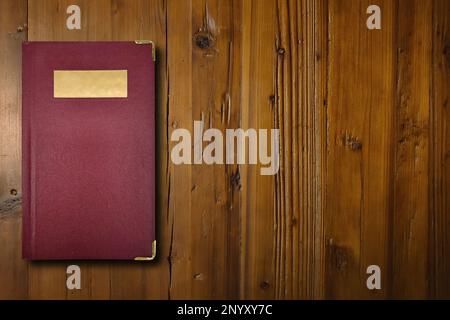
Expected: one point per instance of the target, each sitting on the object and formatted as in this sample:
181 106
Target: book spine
26 154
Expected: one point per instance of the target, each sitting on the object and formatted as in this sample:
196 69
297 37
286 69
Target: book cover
88 150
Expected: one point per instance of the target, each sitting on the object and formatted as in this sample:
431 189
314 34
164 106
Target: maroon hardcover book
88 150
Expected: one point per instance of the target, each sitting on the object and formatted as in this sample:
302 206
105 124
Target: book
88 150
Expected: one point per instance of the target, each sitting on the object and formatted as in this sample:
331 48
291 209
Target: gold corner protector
148 258
148 42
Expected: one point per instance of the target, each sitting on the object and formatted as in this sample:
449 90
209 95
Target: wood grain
260 223
13 270
440 151
204 202
411 178
215 189
359 116
364 173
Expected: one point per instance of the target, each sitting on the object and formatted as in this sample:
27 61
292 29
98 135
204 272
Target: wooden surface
13 270
440 151
360 106
364 151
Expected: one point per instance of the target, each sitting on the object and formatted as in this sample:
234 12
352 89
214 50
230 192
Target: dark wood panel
440 151
410 224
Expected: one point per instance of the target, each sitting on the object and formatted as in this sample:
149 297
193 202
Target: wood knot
340 257
447 155
235 180
341 261
198 276
446 52
281 51
264 285
272 99
10 205
22 28
19 34
410 130
351 142
294 222
204 40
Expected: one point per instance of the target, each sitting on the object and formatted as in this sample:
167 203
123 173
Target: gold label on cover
90 83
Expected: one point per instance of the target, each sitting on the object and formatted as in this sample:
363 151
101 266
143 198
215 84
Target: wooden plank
260 225
308 139
440 151
299 114
282 236
288 121
204 208
319 189
179 35
360 109
47 20
13 270
95 282
109 20
411 179
215 188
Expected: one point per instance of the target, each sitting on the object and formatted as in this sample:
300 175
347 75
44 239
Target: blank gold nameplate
90 83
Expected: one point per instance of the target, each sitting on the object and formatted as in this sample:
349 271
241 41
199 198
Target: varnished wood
260 222
364 170
411 215
13 270
440 152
